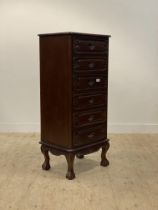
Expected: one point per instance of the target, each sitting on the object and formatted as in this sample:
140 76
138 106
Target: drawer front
90 101
85 136
85 83
81 64
89 118
90 46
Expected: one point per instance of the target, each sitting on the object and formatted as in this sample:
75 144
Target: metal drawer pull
91 101
77 46
91 65
91 118
91 47
98 80
91 135
91 83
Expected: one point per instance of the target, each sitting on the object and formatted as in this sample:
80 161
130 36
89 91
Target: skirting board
19 127
132 128
112 127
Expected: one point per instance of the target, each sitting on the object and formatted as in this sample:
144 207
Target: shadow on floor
80 166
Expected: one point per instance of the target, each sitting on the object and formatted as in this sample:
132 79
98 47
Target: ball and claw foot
104 161
45 165
80 156
70 175
70 162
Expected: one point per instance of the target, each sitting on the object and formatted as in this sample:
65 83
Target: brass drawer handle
91 46
91 118
91 83
91 100
91 65
91 135
77 46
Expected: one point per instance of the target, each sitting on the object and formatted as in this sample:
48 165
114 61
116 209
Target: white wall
133 73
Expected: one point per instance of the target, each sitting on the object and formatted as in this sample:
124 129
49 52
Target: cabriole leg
70 161
45 150
104 161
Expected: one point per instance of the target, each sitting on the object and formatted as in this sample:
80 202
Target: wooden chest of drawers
73 91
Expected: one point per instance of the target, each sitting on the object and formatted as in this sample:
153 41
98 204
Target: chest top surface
72 33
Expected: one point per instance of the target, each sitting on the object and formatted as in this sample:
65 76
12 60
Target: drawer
89 101
85 136
90 46
88 83
81 64
88 118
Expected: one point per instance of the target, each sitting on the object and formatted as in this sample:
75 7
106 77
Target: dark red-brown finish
82 119
90 46
89 101
90 64
89 135
56 90
73 91
89 83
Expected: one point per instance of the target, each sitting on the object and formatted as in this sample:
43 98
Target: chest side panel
56 90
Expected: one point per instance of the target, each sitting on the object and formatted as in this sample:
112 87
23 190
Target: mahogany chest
73 96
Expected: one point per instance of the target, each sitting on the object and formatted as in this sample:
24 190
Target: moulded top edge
71 33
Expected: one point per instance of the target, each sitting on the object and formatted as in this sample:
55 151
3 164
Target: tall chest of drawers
73 96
